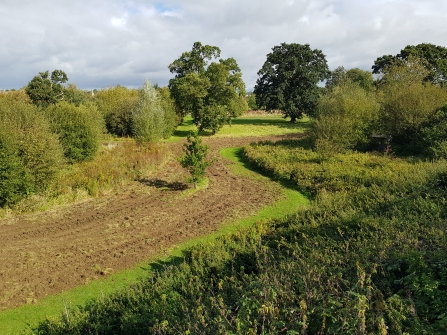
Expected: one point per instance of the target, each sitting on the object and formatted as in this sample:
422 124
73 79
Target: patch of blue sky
163 8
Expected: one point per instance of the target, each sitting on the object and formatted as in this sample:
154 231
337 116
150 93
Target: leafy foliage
407 101
79 129
430 138
172 118
46 89
213 92
435 61
194 158
116 105
75 96
362 78
251 101
150 121
288 80
30 153
14 181
346 118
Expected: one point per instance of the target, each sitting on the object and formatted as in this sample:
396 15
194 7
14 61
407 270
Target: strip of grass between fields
21 319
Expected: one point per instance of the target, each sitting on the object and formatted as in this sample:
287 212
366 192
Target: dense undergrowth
368 257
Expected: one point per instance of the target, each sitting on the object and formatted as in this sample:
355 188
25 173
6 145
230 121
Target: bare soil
48 252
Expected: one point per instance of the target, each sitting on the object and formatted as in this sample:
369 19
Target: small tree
46 89
148 117
194 157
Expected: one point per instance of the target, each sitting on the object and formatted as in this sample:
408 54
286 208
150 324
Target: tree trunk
293 119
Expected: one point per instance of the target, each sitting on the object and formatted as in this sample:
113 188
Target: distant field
259 124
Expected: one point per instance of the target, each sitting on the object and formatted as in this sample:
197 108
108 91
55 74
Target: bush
346 117
116 105
15 183
29 150
149 120
78 128
407 101
171 118
75 96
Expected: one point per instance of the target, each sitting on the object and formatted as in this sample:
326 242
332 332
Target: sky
103 43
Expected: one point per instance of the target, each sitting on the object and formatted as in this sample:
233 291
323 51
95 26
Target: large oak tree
209 88
289 79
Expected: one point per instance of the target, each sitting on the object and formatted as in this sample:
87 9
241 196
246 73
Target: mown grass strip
21 319
246 126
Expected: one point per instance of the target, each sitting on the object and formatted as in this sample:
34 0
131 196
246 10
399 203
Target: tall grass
116 164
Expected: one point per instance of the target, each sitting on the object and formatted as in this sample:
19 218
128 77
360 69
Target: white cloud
111 42
119 22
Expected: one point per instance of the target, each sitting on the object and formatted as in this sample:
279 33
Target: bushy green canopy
434 55
289 79
46 89
213 92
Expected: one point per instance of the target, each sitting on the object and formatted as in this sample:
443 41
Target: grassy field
19 320
249 125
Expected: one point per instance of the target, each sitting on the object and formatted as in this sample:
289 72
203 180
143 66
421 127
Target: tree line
51 122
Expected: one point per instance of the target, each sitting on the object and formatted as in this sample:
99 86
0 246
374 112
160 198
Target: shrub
194 158
116 105
15 183
15 96
408 101
346 117
75 96
171 118
148 117
29 148
78 128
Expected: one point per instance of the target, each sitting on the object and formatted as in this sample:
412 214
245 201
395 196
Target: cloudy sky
100 43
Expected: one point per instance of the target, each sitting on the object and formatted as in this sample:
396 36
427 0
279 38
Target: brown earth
49 252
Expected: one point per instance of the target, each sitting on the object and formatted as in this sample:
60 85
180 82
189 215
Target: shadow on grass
181 133
160 265
282 123
162 184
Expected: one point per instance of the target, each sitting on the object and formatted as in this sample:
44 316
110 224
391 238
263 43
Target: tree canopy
289 79
46 89
408 101
212 91
435 57
362 78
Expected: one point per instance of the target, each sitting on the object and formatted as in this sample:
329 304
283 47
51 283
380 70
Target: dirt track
47 253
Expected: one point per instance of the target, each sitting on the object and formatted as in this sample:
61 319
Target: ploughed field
48 252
